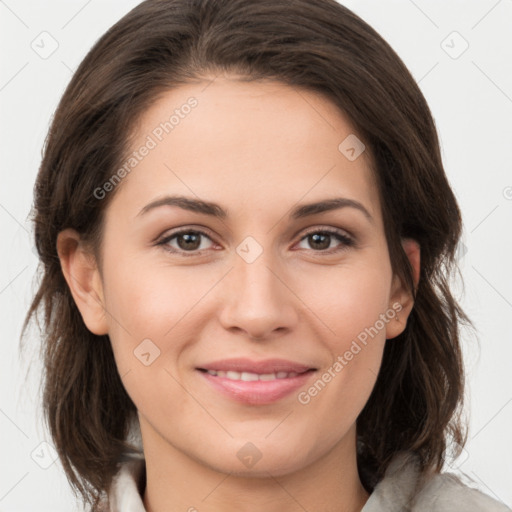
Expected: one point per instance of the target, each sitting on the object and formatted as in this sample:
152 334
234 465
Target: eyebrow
215 210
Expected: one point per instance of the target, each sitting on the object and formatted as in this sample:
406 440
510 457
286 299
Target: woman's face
268 278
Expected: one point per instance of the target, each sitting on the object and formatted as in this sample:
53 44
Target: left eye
321 240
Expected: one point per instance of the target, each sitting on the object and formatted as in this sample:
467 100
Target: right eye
186 242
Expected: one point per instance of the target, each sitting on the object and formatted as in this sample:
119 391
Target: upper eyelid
330 229
184 229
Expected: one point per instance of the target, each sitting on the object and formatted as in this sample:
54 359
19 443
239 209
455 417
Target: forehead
246 143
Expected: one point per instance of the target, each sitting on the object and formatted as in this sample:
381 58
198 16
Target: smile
253 388
249 376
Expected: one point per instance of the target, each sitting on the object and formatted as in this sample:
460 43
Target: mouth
252 377
253 388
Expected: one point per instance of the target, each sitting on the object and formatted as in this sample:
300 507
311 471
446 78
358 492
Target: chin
274 465
262 457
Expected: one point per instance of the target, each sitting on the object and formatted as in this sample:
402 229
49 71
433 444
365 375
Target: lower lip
257 392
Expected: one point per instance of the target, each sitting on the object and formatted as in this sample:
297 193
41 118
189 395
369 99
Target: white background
471 100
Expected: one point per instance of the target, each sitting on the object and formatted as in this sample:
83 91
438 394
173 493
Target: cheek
356 345
141 306
347 298
149 298
157 310
352 302
148 309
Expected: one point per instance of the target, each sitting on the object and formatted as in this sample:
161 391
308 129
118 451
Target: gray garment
401 490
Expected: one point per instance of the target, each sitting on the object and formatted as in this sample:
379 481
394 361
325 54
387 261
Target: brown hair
312 44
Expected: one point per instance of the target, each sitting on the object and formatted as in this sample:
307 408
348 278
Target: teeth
248 376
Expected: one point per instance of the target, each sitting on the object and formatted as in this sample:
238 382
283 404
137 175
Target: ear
82 275
401 300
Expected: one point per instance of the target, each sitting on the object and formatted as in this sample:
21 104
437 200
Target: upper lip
260 367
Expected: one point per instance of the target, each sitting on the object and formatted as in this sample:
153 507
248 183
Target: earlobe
84 281
402 301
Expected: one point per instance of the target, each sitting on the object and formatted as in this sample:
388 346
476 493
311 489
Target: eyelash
339 235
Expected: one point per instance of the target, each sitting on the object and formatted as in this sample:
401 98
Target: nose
258 300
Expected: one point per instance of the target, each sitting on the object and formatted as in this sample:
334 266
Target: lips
265 366
256 382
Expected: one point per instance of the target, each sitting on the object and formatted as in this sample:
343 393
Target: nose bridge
256 283
258 301
255 277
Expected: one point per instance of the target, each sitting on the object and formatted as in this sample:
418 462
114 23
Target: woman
246 233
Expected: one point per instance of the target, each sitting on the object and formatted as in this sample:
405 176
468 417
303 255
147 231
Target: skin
257 149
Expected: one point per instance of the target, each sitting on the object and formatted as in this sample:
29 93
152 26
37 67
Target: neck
175 481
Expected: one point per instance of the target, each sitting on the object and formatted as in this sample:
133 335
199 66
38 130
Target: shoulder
447 492
402 489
